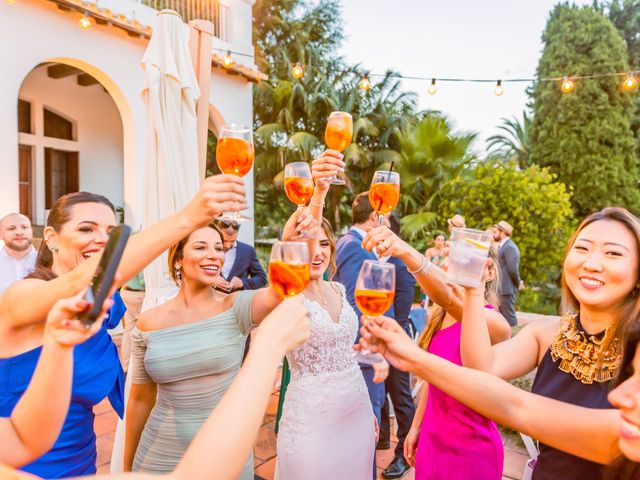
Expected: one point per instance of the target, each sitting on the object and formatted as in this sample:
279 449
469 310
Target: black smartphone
105 273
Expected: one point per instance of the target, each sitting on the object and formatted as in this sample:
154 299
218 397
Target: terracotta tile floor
264 450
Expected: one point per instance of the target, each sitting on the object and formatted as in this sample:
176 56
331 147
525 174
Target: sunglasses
226 225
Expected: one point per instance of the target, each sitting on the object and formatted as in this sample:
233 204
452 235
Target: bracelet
423 269
321 205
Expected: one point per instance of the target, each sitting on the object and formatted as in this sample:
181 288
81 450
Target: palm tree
514 142
432 155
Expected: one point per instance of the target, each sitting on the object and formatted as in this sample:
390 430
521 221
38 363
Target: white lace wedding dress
327 424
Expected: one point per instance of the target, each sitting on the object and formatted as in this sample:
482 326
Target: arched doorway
70 136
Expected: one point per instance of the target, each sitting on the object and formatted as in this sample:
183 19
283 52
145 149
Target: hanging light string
567 82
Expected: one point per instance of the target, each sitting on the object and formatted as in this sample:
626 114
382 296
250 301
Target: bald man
18 256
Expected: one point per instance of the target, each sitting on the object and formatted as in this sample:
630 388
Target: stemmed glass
374 292
384 192
337 136
298 185
235 155
289 268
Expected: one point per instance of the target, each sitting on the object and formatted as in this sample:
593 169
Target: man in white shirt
18 256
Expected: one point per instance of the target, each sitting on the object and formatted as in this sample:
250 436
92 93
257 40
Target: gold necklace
582 355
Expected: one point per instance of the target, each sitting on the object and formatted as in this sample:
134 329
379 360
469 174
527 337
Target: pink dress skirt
455 442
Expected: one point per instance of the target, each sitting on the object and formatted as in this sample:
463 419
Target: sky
495 39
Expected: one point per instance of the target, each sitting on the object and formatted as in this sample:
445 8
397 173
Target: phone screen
105 273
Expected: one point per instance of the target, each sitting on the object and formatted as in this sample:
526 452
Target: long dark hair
59 215
629 313
622 468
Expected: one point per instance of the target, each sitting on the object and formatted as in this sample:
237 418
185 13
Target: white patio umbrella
171 175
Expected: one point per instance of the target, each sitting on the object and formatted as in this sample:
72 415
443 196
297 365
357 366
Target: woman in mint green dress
186 353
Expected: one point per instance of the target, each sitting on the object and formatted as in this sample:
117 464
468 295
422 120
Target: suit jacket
247 268
405 287
509 261
349 258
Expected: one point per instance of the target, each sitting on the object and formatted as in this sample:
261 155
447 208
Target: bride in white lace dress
327 429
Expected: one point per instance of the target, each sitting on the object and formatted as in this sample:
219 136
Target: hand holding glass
375 289
298 185
468 256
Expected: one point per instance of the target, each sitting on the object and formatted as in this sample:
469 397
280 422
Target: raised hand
287 326
488 274
300 221
385 242
219 193
62 325
385 336
330 163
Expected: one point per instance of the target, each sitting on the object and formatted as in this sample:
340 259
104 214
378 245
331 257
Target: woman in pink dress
454 442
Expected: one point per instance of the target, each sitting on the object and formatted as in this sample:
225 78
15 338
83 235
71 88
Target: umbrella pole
200 39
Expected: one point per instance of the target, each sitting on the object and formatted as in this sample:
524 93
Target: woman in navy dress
577 359
77 229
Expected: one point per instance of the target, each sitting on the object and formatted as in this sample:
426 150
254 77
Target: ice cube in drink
468 256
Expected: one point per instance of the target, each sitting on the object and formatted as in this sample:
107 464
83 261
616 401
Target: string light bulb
567 85
499 88
227 61
630 83
364 83
85 22
432 88
297 71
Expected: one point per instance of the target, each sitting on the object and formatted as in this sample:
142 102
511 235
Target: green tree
432 155
585 137
513 140
290 114
625 15
286 109
538 207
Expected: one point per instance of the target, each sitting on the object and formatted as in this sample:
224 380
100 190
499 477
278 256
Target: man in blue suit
241 269
349 258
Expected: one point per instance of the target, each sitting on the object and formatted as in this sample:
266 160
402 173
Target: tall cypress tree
585 137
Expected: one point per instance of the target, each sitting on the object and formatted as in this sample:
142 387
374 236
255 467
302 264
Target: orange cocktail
288 279
234 156
384 197
374 303
339 131
299 189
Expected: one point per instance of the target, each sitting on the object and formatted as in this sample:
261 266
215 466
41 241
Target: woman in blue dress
37 418
77 229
